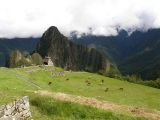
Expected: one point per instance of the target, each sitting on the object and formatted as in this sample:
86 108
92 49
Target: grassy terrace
74 99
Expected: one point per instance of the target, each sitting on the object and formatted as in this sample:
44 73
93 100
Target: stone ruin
47 61
18 110
58 74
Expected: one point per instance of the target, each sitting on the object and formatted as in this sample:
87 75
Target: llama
102 81
89 77
67 79
49 83
106 89
121 88
88 83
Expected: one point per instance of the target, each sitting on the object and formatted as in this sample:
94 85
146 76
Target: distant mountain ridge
137 53
111 47
25 45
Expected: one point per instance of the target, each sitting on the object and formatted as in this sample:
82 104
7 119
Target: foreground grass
57 109
12 86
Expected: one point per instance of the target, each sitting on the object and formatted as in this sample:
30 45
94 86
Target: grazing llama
67 79
121 88
49 83
106 89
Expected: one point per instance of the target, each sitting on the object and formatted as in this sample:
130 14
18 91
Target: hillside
143 54
111 47
133 102
24 45
137 53
16 59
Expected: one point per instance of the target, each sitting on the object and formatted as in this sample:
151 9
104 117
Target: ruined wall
17 110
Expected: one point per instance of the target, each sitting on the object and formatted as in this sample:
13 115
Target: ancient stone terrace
58 74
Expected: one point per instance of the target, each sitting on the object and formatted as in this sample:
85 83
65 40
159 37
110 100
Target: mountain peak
52 28
68 55
51 31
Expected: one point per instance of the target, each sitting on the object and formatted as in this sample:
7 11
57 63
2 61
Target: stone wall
18 110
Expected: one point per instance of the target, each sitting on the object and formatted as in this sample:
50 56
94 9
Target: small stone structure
32 70
49 69
48 61
18 110
58 74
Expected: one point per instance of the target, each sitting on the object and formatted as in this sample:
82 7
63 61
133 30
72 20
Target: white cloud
30 18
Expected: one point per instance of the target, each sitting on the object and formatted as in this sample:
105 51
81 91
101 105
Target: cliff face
15 56
68 55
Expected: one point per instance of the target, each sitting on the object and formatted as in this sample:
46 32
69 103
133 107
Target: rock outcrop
16 59
18 110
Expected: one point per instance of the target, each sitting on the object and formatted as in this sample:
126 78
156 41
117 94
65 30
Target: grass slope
16 83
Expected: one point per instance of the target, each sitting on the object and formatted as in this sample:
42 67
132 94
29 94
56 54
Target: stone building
48 61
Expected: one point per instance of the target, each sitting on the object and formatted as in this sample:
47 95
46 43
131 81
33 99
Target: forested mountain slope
137 53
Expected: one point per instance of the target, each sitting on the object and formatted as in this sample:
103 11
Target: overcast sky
31 18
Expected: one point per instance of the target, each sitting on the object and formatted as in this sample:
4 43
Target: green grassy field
16 83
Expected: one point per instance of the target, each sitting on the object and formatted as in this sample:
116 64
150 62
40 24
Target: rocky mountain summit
68 55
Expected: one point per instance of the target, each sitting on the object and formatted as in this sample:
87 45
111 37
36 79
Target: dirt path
101 104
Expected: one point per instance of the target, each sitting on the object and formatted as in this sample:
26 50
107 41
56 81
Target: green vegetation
113 72
16 59
19 82
36 59
135 78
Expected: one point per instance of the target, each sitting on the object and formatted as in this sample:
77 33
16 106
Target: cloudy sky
30 18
